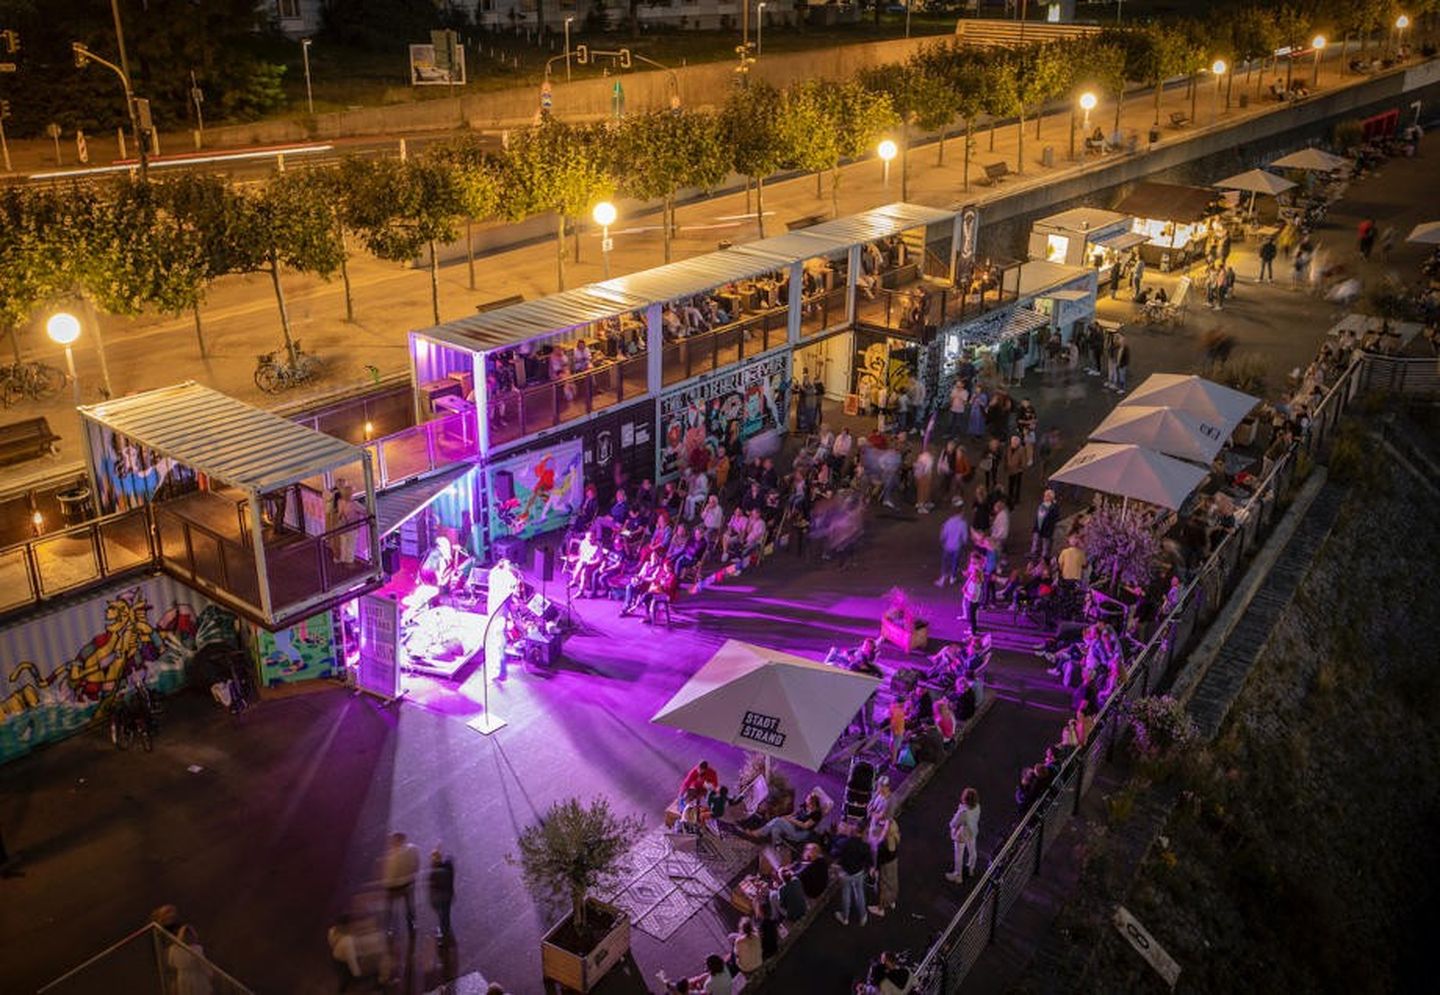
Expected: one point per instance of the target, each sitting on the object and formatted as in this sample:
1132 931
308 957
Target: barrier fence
1020 858
148 960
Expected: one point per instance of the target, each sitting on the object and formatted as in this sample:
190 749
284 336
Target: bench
808 221
1179 120
498 304
27 439
995 172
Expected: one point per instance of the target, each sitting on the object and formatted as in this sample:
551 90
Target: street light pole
64 329
1218 68
1317 43
84 55
604 215
567 48
886 151
309 96
759 29
129 96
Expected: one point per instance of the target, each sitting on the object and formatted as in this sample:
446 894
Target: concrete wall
699 86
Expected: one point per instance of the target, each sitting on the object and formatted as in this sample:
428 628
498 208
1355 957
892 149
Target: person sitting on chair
697 785
662 588
587 563
797 827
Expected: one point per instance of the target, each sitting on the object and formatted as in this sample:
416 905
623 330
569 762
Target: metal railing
1401 375
524 411
148 960
1020 857
896 309
421 449
69 559
723 346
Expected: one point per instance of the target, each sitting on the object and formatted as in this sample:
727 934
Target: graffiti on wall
63 669
538 491
696 423
128 475
302 652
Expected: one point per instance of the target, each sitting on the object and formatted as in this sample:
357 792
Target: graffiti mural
879 362
536 492
61 669
129 475
303 652
698 422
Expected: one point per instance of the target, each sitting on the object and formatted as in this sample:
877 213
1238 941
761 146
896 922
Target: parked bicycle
275 371
29 380
135 715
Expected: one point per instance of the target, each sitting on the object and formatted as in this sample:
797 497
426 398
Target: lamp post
63 329
305 57
83 56
759 29
604 215
567 48
1318 44
1087 104
887 151
1401 23
1217 67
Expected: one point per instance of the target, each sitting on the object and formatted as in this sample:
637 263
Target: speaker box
544 565
504 485
390 555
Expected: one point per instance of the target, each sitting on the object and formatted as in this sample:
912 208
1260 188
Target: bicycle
135 715
274 375
29 380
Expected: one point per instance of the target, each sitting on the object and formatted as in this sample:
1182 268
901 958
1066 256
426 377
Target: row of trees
130 246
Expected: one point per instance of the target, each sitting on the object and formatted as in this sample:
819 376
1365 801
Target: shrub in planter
903 622
1161 729
1121 547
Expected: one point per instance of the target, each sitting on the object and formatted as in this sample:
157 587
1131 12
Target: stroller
859 786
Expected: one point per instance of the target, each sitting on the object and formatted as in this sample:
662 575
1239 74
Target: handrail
93 531
159 936
932 965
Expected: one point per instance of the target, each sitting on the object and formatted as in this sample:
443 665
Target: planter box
908 637
582 972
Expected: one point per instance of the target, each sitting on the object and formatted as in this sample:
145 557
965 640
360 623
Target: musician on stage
446 567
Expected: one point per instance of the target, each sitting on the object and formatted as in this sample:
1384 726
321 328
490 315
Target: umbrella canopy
1312 159
1256 181
1132 472
1426 233
1168 430
1203 399
775 703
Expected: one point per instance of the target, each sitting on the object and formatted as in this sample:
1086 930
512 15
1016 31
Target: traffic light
12 40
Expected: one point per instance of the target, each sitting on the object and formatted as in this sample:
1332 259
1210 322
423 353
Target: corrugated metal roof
697 275
1023 319
803 244
1038 275
1084 219
397 505
223 438
518 322
1121 241
880 222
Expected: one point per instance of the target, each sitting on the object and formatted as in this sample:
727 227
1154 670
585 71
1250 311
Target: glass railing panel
17 586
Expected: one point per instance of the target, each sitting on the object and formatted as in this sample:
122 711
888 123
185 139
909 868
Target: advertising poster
729 408
380 645
538 491
441 63
303 652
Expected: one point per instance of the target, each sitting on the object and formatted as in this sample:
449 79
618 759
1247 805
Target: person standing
924 473
442 891
1122 363
1047 515
1115 279
1267 262
398 871
954 536
959 402
1137 277
887 867
186 957
1366 233
1014 470
852 855
973 593
964 831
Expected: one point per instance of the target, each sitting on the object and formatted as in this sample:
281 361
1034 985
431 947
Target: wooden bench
1178 119
995 172
498 304
808 221
27 439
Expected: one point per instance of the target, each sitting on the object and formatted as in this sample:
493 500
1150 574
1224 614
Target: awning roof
518 322
223 438
1121 241
396 506
1037 276
1085 219
1167 202
880 222
695 276
1023 319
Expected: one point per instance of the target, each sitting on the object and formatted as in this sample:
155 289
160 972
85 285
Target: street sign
1142 941
82 151
547 98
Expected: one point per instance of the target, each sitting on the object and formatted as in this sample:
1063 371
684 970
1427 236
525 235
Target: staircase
987 33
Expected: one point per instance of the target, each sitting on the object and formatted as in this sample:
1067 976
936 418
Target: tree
941 67
1002 94
477 174
42 238
1041 72
757 142
912 94
969 82
559 168
660 153
575 849
1104 62
1156 54
861 117
812 135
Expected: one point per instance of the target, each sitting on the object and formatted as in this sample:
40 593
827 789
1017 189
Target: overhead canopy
223 438
1132 472
1426 233
693 276
775 703
397 505
1167 202
1024 319
1085 219
511 325
1120 241
1038 276
1166 430
1312 159
1203 399
879 222
1256 181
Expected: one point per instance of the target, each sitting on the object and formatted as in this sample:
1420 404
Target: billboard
732 407
441 63
537 491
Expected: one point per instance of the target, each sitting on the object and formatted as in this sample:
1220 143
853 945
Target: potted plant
1121 547
903 622
574 849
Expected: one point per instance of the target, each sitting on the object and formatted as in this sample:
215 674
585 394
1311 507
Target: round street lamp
64 329
604 214
1088 101
1318 44
887 150
1401 23
1218 67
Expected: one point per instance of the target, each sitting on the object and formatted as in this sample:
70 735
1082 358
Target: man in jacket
1046 517
442 891
854 858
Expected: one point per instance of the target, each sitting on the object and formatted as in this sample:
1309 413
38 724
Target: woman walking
979 404
964 830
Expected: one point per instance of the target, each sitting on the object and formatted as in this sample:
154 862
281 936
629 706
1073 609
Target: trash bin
1244 100
1154 136
1047 157
724 244
75 505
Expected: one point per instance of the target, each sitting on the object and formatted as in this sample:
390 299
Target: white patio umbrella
1312 159
1256 181
1426 233
1208 401
1172 431
1132 472
778 704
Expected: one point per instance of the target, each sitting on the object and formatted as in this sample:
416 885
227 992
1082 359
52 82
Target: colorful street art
878 364
65 667
302 652
129 475
698 422
540 489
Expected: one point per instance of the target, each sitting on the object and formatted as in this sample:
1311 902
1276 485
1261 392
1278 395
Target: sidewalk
240 318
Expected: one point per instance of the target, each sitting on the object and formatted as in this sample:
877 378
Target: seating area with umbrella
1310 159
1256 182
1131 471
1171 431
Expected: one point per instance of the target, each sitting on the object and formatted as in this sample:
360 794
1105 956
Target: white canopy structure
1204 399
1132 472
1172 431
778 704
1425 233
1256 181
1312 159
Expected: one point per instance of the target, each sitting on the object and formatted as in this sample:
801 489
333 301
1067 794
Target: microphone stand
487 722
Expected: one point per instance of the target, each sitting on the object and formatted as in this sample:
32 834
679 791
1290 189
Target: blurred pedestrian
442 890
398 870
964 831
